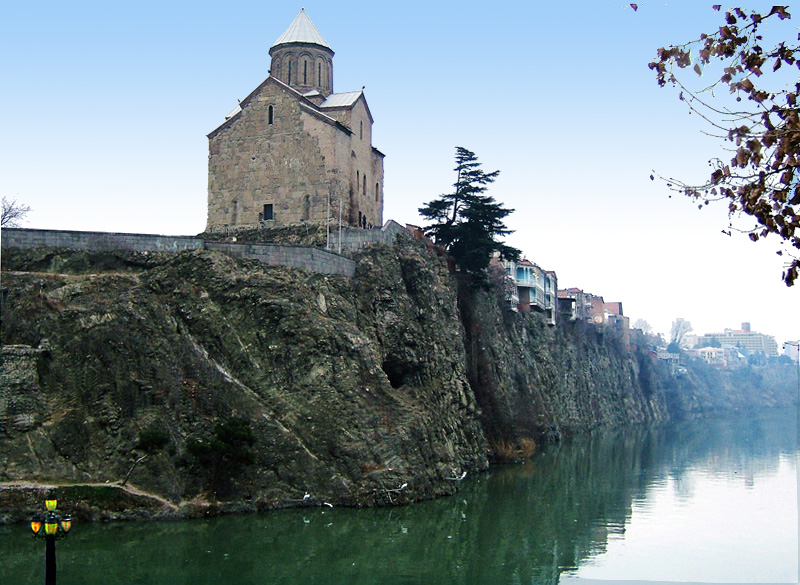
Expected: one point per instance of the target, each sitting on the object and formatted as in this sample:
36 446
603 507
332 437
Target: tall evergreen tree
467 222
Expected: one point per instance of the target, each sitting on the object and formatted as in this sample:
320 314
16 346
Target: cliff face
356 390
529 378
200 379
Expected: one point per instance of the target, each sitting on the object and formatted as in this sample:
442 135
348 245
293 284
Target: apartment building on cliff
293 151
577 305
535 288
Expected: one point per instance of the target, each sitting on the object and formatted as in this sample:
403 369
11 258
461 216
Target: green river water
708 501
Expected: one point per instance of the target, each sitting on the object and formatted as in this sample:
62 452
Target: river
707 501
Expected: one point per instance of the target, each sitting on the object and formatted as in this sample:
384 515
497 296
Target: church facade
293 151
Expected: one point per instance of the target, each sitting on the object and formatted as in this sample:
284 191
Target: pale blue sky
104 110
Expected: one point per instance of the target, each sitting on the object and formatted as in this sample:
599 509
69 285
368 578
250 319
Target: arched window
319 74
290 73
271 115
305 72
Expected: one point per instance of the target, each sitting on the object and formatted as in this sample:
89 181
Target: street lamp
53 527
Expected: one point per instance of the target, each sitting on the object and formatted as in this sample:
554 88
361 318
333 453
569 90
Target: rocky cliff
356 390
529 377
179 384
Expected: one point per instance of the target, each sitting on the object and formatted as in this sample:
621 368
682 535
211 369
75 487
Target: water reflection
518 524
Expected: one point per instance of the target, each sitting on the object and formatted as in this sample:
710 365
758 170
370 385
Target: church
293 151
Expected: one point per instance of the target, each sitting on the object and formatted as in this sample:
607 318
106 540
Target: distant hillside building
293 151
743 339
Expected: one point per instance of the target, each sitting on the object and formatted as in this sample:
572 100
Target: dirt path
130 489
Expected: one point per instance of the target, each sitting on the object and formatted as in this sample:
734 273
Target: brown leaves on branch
761 180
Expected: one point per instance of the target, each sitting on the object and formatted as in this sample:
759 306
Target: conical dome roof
302 30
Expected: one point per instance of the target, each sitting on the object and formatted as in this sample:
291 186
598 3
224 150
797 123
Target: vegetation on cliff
467 222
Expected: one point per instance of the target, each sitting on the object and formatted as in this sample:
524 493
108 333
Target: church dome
302 58
302 30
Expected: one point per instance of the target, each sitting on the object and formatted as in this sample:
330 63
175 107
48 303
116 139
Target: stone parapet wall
302 257
356 239
98 241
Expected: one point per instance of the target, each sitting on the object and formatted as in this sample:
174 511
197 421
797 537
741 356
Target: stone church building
293 151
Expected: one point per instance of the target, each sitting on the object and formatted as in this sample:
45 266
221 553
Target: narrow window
290 73
319 74
364 189
377 191
271 114
361 130
268 216
305 72
358 180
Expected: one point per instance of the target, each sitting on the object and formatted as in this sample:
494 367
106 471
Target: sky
105 108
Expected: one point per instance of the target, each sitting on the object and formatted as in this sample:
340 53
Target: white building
536 288
742 339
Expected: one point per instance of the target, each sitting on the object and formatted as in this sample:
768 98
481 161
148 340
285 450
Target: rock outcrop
356 390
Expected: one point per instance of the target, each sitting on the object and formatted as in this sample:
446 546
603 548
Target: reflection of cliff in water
546 516
517 524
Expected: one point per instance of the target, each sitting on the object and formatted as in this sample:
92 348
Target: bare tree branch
13 213
761 180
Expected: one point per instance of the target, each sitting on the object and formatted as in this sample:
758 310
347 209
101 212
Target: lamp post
53 527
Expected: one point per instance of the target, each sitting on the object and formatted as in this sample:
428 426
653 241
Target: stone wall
311 259
303 257
357 239
73 240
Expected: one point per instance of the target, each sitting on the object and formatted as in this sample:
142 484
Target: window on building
319 74
305 72
268 215
358 181
364 188
361 130
290 74
377 191
271 114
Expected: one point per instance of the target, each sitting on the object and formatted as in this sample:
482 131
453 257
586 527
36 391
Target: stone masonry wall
311 259
32 238
280 151
253 163
303 257
356 239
